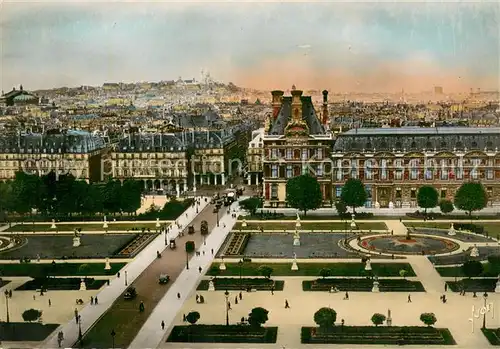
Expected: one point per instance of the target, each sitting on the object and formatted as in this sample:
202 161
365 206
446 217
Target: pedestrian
118 274
241 296
229 306
409 298
197 298
91 300
184 318
203 252
95 300
445 287
272 290
33 297
200 269
212 251
178 295
162 324
10 293
236 300
346 297
287 306
50 303
474 295
141 307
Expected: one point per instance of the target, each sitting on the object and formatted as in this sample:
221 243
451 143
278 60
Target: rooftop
422 131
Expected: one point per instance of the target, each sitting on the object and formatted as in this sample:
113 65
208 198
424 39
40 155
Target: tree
427 197
354 193
341 207
265 271
325 272
130 196
304 193
446 206
31 315
472 268
258 317
193 317
378 319
403 273
428 318
251 204
189 246
470 197
325 317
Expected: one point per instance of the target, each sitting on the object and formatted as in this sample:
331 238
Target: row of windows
147 155
415 145
303 153
429 162
415 174
292 171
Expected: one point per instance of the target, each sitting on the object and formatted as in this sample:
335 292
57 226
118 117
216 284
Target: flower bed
260 284
362 285
377 335
60 284
222 334
473 285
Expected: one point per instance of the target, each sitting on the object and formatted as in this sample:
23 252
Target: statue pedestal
295 266
296 242
222 266
53 226
76 241
375 287
107 266
105 225
389 321
211 286
158 225
83 287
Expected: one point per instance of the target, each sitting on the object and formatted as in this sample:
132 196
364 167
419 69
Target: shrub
265 271
31 315
446 206
472 268
258 317
190 247
428 318
193 317
325 317
403 273
341 207
469 226
325 272
494 259
378 319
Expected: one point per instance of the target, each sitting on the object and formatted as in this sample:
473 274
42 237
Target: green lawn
492 335
60 269
325 226
491 228
312 269
489 271
25 331
27 227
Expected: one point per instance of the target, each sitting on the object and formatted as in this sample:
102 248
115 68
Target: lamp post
80 335
187 260
226 294
166 243
7 304
126 282
217 217
485 298
113 334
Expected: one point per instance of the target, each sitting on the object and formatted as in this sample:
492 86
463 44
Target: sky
339 46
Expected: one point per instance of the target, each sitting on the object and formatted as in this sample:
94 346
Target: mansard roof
308 115
417 138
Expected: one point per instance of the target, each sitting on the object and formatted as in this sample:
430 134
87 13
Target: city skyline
362 47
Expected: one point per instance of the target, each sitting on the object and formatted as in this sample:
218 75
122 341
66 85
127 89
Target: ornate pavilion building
295 142
394 162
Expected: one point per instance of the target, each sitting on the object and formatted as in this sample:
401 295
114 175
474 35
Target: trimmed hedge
222 334
473 285
235 284
394 335
362 285
60 284
60 269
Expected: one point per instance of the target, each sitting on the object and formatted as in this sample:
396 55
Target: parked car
131 293
191 230
163 279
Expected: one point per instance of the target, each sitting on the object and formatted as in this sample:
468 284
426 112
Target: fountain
105 223
296 238
452 230
294 264
53 226
475 251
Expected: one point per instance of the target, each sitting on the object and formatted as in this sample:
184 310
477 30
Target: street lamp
113 334
187 260
485 298
7 304
240 264
80 335
166 243
226 294
217 217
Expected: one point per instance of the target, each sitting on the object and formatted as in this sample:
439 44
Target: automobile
191 229
163 279
216 209
131 293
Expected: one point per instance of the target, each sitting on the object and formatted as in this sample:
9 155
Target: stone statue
497 288
296 238
368 265
83 287
376 285
53 226
158 222
452 230
107 266
475 251
76 239
211 286
105 223
294 263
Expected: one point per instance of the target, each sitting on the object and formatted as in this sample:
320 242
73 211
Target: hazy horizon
343 47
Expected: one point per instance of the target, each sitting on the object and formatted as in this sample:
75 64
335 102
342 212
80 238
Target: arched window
473 145
413 145
428 145
443 145
369 145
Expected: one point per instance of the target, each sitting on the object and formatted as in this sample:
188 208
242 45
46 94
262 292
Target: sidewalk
151 334
90 314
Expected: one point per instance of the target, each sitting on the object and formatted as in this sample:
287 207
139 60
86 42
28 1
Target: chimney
296 104
277 98
325 107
